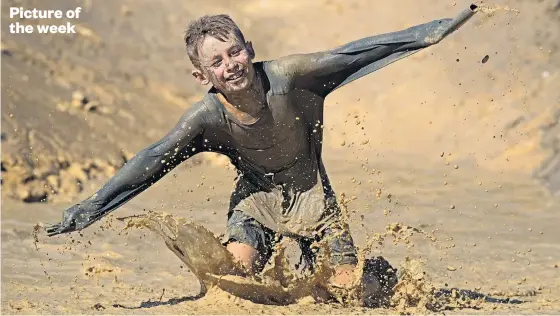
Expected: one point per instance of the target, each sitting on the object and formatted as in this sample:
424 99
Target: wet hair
219 26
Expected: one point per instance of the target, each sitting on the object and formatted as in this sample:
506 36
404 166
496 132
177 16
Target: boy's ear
200 77
250 49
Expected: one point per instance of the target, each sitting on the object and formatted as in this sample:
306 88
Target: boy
267 117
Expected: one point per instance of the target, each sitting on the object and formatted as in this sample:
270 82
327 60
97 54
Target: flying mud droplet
35 235
485 59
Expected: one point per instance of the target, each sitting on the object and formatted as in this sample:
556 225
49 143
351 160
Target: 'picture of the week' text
20 27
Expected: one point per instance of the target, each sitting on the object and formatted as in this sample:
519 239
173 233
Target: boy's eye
236 52
217 63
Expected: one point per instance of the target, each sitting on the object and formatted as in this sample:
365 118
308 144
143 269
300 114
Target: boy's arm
144 169
323 72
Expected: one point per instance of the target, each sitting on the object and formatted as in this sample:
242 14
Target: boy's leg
245 254
343 256
250 242
344 275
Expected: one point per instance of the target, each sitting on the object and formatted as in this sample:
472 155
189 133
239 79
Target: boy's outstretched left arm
323 72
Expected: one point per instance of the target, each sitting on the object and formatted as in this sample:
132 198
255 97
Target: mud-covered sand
508 250
441 141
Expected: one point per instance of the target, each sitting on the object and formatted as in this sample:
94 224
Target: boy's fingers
57 229
52 228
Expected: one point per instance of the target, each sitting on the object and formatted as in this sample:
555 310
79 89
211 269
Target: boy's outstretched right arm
144 169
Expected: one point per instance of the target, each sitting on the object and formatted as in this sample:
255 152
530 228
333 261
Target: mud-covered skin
283 147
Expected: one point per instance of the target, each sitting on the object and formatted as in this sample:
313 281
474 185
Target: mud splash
214 266
35 235
407 289
490 9
279 284
415 292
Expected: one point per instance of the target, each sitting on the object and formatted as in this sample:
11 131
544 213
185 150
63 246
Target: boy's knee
248 256
344 275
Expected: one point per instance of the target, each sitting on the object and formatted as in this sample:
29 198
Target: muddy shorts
260 219
246 230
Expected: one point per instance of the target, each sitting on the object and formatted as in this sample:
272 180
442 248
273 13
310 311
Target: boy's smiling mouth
236 76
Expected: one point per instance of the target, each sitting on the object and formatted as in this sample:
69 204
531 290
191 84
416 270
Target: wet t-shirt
278 147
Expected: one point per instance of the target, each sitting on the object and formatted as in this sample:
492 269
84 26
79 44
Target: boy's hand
75 218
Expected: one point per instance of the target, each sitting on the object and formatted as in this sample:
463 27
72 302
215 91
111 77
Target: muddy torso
278 146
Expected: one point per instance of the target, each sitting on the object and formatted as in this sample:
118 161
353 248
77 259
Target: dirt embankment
76 107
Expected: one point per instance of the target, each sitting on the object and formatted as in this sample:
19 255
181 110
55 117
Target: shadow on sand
447 293
171 301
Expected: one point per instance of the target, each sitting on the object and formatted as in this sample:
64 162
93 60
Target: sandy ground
118 85
510 249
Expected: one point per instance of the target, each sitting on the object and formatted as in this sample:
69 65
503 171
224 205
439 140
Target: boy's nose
230 64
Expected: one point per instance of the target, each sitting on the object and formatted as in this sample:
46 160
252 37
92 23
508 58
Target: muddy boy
267 118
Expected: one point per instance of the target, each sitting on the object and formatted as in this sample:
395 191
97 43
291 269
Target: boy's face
227 65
